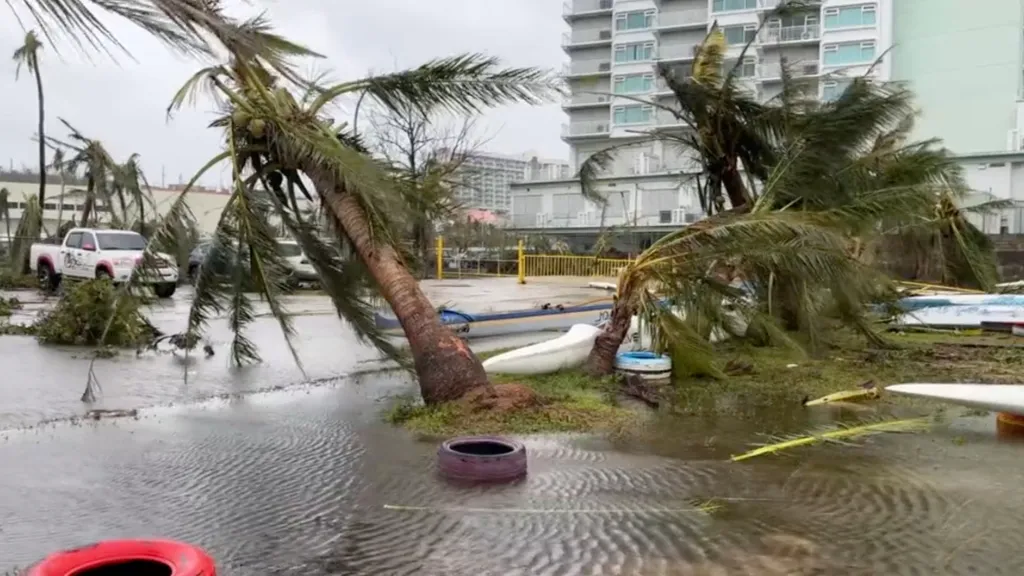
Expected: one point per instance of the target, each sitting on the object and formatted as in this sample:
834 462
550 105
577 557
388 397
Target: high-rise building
486 179
615 47
976 106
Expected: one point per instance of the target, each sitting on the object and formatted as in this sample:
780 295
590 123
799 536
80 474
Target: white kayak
912 303
569 350
961 317
609 286
996 397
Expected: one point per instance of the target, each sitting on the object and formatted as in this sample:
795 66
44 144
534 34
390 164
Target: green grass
569 402
757 377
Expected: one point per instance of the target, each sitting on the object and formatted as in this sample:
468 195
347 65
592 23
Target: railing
790 34
585 36
682 18
571 7
797 70
571 265
676 51
585 99
585 128
518 263
582 67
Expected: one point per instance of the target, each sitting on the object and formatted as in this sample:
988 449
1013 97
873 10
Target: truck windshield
121 241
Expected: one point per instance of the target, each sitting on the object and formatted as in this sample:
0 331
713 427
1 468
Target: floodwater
307 480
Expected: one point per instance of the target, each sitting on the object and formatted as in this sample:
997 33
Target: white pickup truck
92 253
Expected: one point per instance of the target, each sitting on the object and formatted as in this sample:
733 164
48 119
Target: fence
521 264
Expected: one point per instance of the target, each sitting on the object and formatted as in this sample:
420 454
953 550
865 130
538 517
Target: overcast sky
123 103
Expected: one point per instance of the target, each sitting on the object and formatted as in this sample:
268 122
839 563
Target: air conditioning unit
679 216
605 4
807 35
602 128
582 218
692 217
605 34
604 67
602 99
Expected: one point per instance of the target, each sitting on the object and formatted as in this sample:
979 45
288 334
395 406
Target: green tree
28 56
820 180
278 139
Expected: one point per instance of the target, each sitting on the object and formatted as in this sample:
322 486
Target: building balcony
773 72
681 20
586 39
586 101
790 35
585 68
676 52
573 9
586 129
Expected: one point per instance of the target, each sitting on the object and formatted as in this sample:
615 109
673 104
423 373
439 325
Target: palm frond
466 83
841 433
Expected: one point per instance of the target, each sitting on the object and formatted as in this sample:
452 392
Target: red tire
482 459
150 557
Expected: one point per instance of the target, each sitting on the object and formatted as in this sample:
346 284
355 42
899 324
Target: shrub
83 312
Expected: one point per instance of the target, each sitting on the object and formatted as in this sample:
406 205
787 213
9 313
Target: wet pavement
310 481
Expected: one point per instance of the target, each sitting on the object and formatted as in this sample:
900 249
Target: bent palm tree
28 56
278 141
836 171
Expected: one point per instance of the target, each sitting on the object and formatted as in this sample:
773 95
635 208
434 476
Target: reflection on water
311 482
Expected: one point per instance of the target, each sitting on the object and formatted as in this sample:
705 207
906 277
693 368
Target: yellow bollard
521 262
439 246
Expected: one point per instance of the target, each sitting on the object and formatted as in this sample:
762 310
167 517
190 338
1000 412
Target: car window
121 241
88 239
74 240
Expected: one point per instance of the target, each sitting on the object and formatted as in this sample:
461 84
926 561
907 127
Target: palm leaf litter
839 433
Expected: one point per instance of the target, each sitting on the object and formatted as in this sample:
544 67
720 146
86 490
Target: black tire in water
482 459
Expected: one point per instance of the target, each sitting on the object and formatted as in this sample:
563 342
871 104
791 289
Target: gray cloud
123 103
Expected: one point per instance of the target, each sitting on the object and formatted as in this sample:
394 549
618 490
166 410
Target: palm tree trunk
734 186
42 146
60 209
445 365
601 361
89 198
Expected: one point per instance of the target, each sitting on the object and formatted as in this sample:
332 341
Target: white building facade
486 179
615 47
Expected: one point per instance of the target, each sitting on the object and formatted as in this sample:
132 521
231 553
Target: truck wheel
165 290
48 281
101 273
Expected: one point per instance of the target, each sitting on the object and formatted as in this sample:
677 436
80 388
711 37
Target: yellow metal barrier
470 266
567 265
523 264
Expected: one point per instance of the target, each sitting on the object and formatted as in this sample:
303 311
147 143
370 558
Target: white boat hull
996 397
567 351
961 317
642 339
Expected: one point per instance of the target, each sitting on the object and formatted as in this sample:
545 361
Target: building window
739 35
847 54
832 90
638 52
634 84
851 16
729 5
748 69
634 20
638 114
